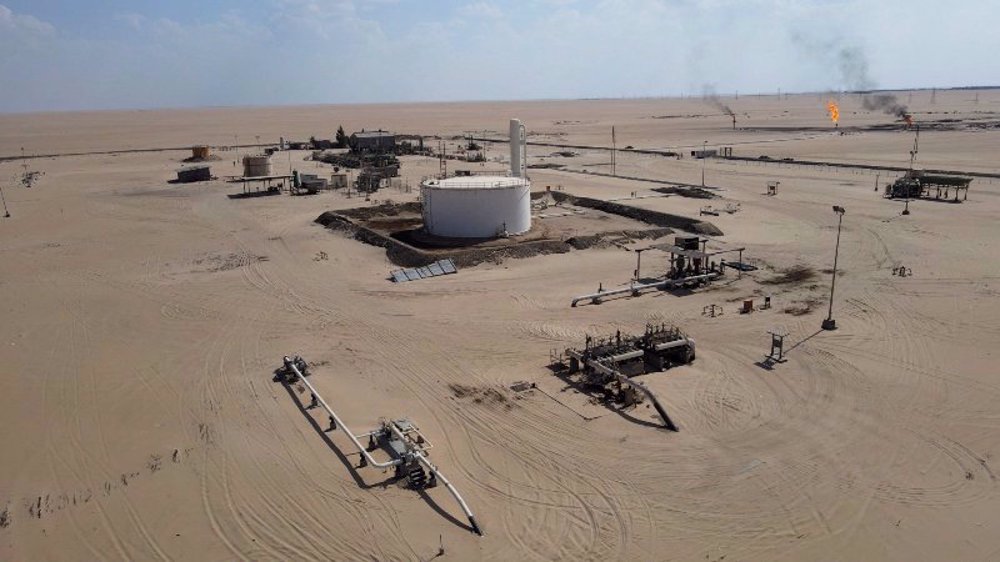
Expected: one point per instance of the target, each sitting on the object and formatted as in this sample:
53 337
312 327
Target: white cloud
10 21
345 51
134 21
481 10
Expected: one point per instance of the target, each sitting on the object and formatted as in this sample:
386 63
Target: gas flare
834 110
909 119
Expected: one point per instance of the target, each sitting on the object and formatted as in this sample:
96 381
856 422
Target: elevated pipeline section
608 364
400 436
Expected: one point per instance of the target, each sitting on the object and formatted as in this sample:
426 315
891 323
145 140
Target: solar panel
441 267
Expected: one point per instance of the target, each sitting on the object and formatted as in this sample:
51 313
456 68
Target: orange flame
909 119
834 110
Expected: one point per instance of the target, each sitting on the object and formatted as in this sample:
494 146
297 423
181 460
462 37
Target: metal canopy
949 181
692 253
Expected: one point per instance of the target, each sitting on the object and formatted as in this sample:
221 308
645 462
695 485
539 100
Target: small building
193 174
373 141
338 180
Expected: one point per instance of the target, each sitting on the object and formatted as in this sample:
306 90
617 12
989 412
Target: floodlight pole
638 262
830 323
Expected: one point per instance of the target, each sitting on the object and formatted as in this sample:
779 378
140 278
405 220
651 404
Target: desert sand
142 322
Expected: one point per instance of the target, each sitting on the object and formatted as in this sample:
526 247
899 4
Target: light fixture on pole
638 262
830 323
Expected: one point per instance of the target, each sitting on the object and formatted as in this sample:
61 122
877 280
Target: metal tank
256 165
476 206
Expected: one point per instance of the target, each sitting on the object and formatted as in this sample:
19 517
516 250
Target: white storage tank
256 166
476 206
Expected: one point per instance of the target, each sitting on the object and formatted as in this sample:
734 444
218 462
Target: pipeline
340 424
419 455
601 367
422 459
635 288
676 343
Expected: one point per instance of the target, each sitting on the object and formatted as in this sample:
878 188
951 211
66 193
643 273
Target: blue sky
75 54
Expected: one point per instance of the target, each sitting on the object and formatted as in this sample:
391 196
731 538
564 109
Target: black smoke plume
708 94
854 72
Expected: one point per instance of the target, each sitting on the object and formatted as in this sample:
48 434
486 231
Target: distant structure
378 142
918 185
256 166
481 206
518 154
338 180
200 152
193 174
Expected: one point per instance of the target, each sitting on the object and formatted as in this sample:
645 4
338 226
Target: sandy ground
142 322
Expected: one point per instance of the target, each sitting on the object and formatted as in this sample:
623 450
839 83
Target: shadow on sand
353 470
563 375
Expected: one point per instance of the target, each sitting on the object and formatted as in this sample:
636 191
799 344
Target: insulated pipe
598 366
628 355
634 288
340 424
677 343
437 474
399 435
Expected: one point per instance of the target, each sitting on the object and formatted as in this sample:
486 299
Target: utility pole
830 323
704 148
614 152
6 213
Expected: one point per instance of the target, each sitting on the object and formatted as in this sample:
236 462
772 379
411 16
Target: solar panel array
440 267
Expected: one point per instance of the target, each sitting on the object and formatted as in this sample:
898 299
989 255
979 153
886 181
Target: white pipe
633 288
437 474
340 424
628 355
399 435
677 343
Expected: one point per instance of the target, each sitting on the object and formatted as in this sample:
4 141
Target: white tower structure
518 153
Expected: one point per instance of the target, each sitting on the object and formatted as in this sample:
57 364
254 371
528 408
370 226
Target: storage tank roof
476 182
